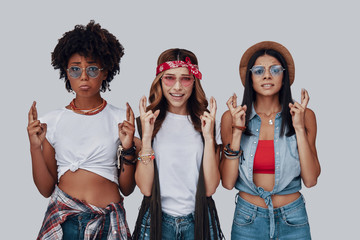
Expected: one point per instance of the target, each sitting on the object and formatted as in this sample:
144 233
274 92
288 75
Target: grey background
321 35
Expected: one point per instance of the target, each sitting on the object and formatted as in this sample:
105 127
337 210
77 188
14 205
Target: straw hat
267 45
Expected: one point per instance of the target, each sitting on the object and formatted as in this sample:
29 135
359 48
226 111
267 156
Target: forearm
144 174
229 167
211 167
127 179
144 177
43 179
310 167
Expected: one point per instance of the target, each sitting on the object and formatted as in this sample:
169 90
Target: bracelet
229 151
231 154
146 158
232 157
241 128
121 153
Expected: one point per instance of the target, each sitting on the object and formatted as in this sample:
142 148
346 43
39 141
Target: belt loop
282 210
236 198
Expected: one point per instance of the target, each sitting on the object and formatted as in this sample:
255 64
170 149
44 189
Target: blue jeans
74 226
173 228
252 222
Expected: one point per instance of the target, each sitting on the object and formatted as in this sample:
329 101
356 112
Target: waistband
180 219
72 203
270 212
63 205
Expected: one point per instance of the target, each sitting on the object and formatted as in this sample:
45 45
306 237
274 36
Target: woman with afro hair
82 154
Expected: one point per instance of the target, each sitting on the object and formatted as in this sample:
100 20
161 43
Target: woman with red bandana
178 164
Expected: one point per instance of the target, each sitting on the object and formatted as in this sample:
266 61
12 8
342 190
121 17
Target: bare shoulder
226 117
310 117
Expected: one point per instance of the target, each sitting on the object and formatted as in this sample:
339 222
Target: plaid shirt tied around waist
62 205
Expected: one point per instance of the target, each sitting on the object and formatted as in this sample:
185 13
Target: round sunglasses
91 71
275 70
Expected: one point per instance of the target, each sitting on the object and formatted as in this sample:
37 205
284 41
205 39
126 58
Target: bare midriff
266 181
90 188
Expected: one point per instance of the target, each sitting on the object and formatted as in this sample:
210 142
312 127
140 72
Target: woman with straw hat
269 147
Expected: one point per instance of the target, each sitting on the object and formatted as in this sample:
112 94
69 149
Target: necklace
92 111
271 122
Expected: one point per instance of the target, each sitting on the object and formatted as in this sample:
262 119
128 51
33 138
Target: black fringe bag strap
205 206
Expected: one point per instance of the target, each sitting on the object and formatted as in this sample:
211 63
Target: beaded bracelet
241 128
231 154
146 158
121 153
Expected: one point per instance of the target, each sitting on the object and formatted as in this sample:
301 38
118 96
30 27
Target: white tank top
85 141
178 150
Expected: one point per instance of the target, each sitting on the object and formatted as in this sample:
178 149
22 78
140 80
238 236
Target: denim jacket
287 164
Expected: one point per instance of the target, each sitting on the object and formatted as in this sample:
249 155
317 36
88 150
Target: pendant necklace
271 122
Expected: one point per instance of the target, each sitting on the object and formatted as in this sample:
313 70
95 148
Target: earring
68 86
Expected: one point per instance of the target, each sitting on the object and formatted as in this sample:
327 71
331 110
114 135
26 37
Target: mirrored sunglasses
91 71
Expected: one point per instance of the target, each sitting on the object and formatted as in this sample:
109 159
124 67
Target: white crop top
178 150
85 141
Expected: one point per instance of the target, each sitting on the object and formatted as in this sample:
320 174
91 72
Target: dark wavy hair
284 95
196 104
88 41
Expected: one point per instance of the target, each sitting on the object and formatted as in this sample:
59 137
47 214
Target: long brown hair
196 104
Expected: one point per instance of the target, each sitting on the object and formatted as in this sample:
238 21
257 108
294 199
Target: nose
267 74
177 85
84 75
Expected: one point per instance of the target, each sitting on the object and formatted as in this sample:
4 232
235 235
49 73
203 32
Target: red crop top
264 161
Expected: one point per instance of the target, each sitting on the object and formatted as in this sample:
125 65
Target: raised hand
297 111
238 113
127 128
147 119
208 120
36 129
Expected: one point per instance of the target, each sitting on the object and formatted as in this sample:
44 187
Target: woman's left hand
127 128
297 111
208 120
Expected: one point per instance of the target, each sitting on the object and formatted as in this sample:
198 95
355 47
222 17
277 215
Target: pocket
70 227
297 217
243 217
292 146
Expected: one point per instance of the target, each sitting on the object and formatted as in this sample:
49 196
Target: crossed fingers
297 107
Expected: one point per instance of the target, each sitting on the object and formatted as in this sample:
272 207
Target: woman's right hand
147 119
238 113
36 129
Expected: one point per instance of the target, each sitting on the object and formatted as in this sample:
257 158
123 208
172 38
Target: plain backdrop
323 37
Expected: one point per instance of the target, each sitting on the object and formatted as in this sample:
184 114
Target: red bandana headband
176 64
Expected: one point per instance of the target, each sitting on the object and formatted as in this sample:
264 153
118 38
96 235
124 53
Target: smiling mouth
268 85
176 94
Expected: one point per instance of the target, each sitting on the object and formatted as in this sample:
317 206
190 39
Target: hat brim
262 46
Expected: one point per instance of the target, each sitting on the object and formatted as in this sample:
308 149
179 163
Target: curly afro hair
89 41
